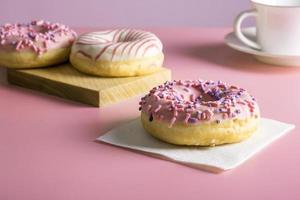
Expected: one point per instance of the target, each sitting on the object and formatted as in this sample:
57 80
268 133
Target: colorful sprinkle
198 101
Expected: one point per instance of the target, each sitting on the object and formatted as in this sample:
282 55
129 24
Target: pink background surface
48 149
139 13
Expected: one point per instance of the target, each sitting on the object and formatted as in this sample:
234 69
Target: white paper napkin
216 159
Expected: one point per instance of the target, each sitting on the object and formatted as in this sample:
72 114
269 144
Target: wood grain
67 82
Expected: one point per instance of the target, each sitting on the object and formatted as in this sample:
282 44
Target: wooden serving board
67 82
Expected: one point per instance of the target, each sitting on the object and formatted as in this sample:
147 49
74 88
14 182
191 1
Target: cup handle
238 31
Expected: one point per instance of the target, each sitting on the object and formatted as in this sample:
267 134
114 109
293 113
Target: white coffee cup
277 26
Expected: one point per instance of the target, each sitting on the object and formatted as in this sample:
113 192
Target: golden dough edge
135 67
29 59
204 134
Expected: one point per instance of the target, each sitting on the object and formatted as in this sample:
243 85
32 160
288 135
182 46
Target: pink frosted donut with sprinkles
204 113
117 53
35 44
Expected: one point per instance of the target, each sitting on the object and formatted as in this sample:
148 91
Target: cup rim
260 2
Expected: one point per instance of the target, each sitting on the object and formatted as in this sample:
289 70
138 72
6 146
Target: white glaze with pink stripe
117 45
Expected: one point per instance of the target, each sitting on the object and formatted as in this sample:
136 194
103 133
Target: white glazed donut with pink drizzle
35 44
117 53
204 113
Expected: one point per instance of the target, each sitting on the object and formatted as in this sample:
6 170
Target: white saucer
282 60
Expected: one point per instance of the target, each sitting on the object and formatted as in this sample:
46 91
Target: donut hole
123 40
130 36
193 94
40 29
208 97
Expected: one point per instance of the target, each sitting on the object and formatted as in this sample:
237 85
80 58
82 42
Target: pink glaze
37 36
198 101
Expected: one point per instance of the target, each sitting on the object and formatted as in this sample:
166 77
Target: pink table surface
48 149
